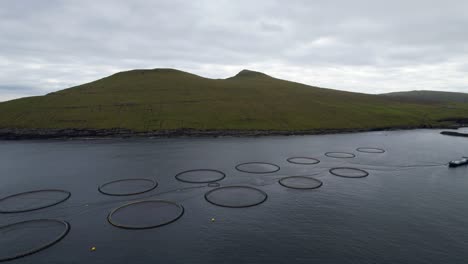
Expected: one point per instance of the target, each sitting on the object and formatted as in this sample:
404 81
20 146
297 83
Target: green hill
430 96
167 99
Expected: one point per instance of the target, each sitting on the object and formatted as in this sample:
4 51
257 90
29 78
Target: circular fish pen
257 167
28 237
300 182
128 187
32 200
347 172
370 150
340 155
236 196
145 214
303 160
200 176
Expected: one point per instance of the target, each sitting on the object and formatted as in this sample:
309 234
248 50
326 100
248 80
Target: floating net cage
340 155
145 214
371 150
127 187
303 160
32 200
200 176
236 196
300 182
257 167
347 172
28 237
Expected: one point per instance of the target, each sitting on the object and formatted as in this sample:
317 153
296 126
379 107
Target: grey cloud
271 27
16 88
56 44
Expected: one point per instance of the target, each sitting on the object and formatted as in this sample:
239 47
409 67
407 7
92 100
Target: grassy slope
430 96
145 100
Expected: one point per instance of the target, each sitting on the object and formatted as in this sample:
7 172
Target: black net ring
277 168
265 196
335 155
222 176
154 185
364 173
314 161
123 226
42 247
68 195
370 150
282 182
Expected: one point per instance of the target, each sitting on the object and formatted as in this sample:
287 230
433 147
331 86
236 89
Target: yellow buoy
93 248
212 219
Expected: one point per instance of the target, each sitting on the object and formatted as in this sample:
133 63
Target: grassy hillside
430 96
159 99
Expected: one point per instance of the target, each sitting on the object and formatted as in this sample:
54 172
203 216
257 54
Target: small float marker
93 248
212 219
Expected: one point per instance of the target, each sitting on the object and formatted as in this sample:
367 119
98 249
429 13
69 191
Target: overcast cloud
363 46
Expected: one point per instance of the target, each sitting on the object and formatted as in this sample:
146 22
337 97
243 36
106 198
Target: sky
362 46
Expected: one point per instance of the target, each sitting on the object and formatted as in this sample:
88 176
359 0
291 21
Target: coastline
25 134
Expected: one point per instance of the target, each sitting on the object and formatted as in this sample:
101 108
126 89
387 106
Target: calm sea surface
410 209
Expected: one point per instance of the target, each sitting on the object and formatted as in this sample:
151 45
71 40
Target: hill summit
250 74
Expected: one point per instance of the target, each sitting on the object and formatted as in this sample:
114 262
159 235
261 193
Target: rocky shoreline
23 134
454 134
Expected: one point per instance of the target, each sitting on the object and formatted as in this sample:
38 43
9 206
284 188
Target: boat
457 163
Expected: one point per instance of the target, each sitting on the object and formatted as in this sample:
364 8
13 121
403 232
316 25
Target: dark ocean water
410 209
